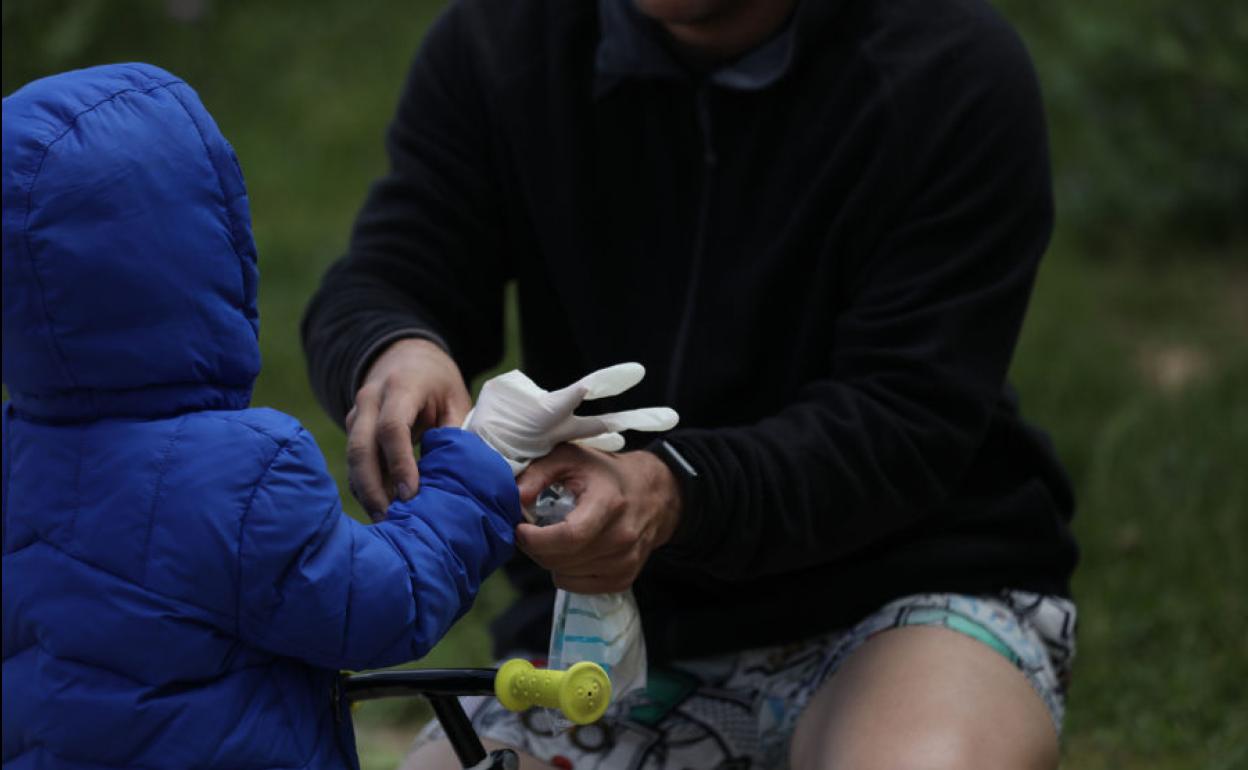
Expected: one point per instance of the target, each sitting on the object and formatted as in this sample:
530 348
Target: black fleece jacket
825 277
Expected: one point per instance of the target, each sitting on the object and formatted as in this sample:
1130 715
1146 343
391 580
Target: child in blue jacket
181 585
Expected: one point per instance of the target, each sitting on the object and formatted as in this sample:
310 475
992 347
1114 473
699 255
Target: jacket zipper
710 161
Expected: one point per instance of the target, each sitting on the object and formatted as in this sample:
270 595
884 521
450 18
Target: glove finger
564 401
656 418
611 381
575 428
606 442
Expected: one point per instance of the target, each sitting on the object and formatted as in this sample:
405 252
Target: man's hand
412 386
627 506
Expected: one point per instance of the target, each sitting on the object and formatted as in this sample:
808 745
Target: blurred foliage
1147 98
1138 371
1148 104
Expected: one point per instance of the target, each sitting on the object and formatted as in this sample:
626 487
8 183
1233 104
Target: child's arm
316 585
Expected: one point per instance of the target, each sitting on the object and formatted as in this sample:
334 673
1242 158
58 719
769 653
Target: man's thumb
539 475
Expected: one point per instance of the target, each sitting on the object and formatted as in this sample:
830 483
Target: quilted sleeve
316 585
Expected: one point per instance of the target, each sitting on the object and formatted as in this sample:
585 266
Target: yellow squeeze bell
582 693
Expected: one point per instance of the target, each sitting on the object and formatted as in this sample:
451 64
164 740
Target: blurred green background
1135 353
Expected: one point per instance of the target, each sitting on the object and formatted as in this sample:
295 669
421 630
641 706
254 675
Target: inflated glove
523 422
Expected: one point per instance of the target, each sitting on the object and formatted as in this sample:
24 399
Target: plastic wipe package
524 422
602 628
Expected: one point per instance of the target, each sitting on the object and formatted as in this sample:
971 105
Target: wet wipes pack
524 422
603 629
600 628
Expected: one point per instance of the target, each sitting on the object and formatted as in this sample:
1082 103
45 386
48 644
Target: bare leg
925 698
438 755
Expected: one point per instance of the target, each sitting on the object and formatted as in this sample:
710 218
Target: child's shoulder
278 440
258 437
265 423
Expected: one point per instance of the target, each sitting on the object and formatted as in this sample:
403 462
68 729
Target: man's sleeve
316 585
427 256
921 348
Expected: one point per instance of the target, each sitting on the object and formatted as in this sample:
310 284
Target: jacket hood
130 272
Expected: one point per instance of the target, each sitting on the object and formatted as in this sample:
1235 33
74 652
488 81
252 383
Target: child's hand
524 422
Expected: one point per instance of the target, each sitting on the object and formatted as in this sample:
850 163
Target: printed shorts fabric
739 711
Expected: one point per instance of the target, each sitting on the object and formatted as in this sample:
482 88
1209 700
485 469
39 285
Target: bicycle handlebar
427 681
582 693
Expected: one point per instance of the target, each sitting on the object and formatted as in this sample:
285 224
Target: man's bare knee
924 699
936 747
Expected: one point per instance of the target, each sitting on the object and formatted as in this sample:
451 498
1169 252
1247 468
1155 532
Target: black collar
632 46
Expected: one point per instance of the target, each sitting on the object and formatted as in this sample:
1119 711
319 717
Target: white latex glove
524 422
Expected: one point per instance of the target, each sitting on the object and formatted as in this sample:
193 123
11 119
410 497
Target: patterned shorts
739 711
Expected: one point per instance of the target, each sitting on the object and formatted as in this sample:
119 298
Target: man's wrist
663 493
688 480
384 344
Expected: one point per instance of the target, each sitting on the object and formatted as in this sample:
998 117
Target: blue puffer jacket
180 583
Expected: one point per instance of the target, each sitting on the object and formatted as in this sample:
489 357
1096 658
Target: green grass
1138 365
1139 370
